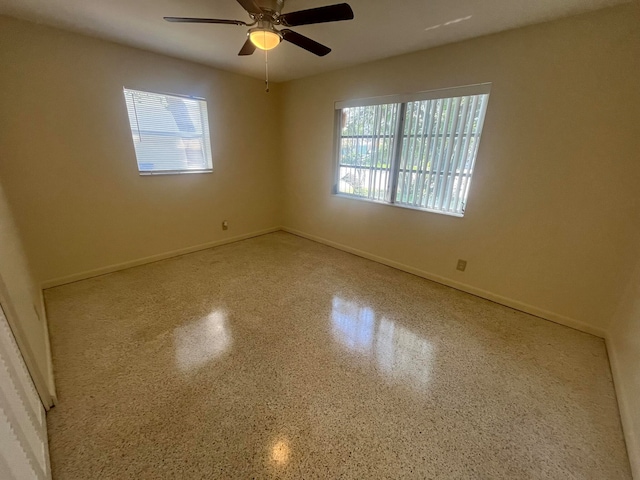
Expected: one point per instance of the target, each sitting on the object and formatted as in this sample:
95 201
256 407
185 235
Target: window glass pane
170 133
366 150
418 152
439 147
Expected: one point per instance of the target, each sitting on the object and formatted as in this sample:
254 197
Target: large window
170 132
415 151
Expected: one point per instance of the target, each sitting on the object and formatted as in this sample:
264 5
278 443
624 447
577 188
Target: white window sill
173 172
407 207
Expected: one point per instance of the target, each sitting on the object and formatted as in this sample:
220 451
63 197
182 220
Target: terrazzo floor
278 357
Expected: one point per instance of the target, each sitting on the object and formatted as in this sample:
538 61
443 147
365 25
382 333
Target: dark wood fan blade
250 6
304 42
331 13
204 20
248 48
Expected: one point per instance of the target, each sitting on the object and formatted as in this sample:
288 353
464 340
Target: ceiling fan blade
250 6
248 48
204 20
304 42
331 13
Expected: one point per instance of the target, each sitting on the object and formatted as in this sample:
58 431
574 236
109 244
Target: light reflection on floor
397 352
281 452
202 341
277 357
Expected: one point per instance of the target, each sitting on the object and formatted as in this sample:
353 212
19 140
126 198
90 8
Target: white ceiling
382 28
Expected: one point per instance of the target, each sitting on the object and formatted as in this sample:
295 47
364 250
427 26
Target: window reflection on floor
281 452
202 341
354 325
397 352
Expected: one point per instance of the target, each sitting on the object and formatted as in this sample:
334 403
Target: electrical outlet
462 265
225 225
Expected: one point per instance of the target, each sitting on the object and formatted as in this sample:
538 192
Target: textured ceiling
382 28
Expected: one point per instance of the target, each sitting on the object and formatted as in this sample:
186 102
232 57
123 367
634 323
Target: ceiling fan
266 14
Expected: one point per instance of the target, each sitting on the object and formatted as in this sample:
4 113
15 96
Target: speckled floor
278 357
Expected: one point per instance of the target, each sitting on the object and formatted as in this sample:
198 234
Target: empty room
311 239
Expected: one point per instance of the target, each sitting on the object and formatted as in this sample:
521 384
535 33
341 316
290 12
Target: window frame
206 134
402 100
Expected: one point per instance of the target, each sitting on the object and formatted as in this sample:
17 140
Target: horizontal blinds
170 133
436 144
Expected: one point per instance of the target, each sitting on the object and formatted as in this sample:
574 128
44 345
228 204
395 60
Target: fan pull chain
266 69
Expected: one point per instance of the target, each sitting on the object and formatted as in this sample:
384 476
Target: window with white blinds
415 151
170 132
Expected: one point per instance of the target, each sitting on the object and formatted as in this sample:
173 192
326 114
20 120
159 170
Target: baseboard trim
56 282
508 302
633 449
51 383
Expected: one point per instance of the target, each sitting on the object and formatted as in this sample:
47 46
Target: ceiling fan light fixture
264 38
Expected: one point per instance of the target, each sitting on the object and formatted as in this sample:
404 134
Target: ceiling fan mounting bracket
273 7
270 12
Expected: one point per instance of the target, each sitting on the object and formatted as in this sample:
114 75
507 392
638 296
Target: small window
415 151
170 132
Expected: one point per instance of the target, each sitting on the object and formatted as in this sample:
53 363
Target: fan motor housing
273 7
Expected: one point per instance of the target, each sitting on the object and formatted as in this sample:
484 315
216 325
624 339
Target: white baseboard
515 304
56 282
51 383
631 437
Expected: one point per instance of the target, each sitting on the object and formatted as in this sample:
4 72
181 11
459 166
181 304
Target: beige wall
554 208
21 301
553 217
69 168
623 343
